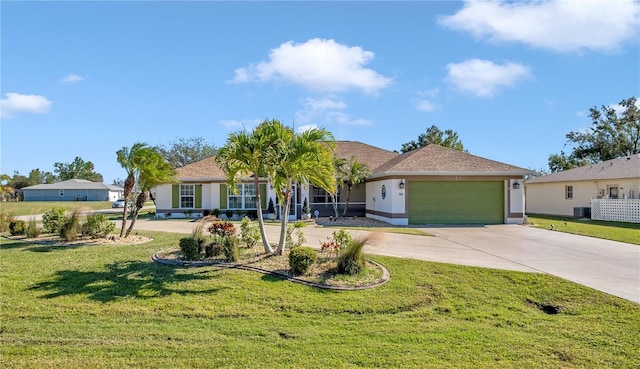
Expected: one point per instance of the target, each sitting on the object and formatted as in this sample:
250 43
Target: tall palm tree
129 158
355 173
305 157
244 155
153 169
338 174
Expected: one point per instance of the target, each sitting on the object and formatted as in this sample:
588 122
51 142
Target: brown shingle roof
372 156
206 168
624 167
437 160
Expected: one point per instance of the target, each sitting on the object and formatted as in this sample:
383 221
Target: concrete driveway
608 266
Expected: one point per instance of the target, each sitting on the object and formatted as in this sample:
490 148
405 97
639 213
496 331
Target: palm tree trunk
128 188
265 242
334 202
346 205
285 220
142 198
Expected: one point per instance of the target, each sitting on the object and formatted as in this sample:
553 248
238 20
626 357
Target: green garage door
452 202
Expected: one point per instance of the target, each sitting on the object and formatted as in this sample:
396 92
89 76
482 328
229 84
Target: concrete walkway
608 266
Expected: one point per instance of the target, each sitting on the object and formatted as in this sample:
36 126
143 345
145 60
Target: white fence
618 210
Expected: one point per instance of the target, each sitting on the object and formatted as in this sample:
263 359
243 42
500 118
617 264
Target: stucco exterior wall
392 208
514 202
549 198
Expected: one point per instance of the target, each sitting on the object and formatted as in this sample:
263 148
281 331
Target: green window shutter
223 196
175 196
263 195
198 196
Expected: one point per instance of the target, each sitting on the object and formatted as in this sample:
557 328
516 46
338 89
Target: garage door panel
450 202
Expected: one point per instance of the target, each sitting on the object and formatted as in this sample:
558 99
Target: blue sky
87 78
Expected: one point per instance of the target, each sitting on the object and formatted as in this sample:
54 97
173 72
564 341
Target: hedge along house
73 190
431 185
438 185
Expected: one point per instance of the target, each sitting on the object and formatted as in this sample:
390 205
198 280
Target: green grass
40 207
616 231
112 307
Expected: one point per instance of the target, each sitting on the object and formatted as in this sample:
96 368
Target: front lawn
112 307
616 231
41 207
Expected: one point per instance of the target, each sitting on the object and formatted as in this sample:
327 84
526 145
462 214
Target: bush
222 228
337 243
206 212
97 225
216 212
351 259
33 231
53 220
189 248
297 227
5 220
17 227
230 247
249 232
301 258
69 230
198 235
228 213
212 249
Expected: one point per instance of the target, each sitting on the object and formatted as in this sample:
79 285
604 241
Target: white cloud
558 25
319 65
72 78
306 127
325 111
17 103
426 105
484 77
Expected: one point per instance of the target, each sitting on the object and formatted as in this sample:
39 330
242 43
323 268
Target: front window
243 198
187 194
568 192
320 196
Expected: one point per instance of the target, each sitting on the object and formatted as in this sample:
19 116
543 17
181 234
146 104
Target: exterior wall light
516 185
402 184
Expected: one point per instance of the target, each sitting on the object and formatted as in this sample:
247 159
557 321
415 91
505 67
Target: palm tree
356 173
243 155
338 174
305 157
153 169
129 158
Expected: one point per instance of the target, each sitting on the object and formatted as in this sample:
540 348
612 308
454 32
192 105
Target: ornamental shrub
53 220
69 229
249 232
198 235
301 258
97 226
33 231
189 247
5 220
297 228
17 227
351 259
230 247
222 228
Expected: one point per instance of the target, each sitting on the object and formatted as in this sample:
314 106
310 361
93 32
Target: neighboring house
430 185
73 190
570 192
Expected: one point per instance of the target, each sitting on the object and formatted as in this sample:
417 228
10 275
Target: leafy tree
153 170
612 134
39 177
246 155
79 169
185 151
434 135
355 173
129 159
304 157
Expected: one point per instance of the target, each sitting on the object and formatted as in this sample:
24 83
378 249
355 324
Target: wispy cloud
72 78
326 111
306 127
16 103
483 77
558 25
233 125
426 105
319 65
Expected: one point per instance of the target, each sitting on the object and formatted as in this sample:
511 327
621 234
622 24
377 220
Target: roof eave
446 173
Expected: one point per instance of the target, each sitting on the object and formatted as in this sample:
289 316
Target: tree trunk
128 188
142 198
265 242
346 205
285 220
334 202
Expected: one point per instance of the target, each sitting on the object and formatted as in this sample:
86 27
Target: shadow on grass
129 279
